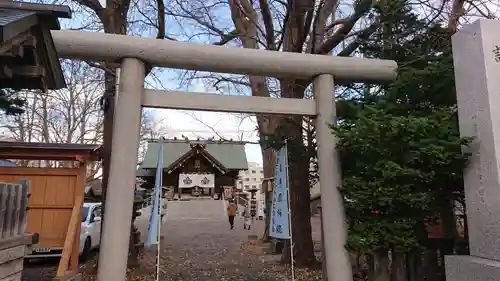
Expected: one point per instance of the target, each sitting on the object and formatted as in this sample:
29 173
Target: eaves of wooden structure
49 151
28 58
197 148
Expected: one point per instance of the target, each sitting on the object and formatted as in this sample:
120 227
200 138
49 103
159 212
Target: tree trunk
429 265
244 17
298 173
286 254
370 261
381 266
398 267
114 21
301 214
109 109
133 251
414 266
448 219
268 201
268 163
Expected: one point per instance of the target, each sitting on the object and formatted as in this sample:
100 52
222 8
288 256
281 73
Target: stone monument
476 54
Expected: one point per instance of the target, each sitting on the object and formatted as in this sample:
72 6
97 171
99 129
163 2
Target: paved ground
199 245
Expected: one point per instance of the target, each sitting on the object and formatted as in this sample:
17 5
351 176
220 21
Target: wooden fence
13 208
13 239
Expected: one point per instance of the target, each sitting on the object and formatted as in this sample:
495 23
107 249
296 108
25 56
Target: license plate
41 250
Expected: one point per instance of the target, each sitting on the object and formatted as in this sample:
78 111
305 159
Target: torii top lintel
97 46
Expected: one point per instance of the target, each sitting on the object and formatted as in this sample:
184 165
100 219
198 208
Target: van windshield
85 213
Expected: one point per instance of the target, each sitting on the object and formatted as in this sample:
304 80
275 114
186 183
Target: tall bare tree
293 26
70 115
114 19
323 27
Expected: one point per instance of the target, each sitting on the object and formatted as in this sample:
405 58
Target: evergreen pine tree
401 151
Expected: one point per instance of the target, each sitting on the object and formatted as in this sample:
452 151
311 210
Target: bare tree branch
456 12
94 5
268 24
359 10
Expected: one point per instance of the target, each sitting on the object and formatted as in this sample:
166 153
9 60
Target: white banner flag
153 237
280 224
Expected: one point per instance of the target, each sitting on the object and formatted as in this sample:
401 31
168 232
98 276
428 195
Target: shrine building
195 167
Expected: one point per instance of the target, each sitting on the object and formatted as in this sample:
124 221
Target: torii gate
134 52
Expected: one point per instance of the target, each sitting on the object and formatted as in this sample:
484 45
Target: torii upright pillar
120 201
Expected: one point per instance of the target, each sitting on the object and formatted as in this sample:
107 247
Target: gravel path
198 245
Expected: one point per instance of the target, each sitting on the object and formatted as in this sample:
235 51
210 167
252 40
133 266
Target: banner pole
159 239
292 259
158 209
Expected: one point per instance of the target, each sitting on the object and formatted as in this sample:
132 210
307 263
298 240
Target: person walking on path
248 218
231 212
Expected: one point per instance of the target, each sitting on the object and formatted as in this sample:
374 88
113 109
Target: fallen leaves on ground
46 270
198 250
248 266
277 270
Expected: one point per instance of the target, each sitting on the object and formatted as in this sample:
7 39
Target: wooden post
80 192
24 206
73 231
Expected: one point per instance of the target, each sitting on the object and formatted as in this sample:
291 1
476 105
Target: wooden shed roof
57 11
28 56
48 151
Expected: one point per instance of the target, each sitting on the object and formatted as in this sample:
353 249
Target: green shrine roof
229 154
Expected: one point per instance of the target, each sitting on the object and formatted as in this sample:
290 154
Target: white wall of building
252 179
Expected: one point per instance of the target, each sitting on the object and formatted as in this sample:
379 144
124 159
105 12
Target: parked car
89 234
